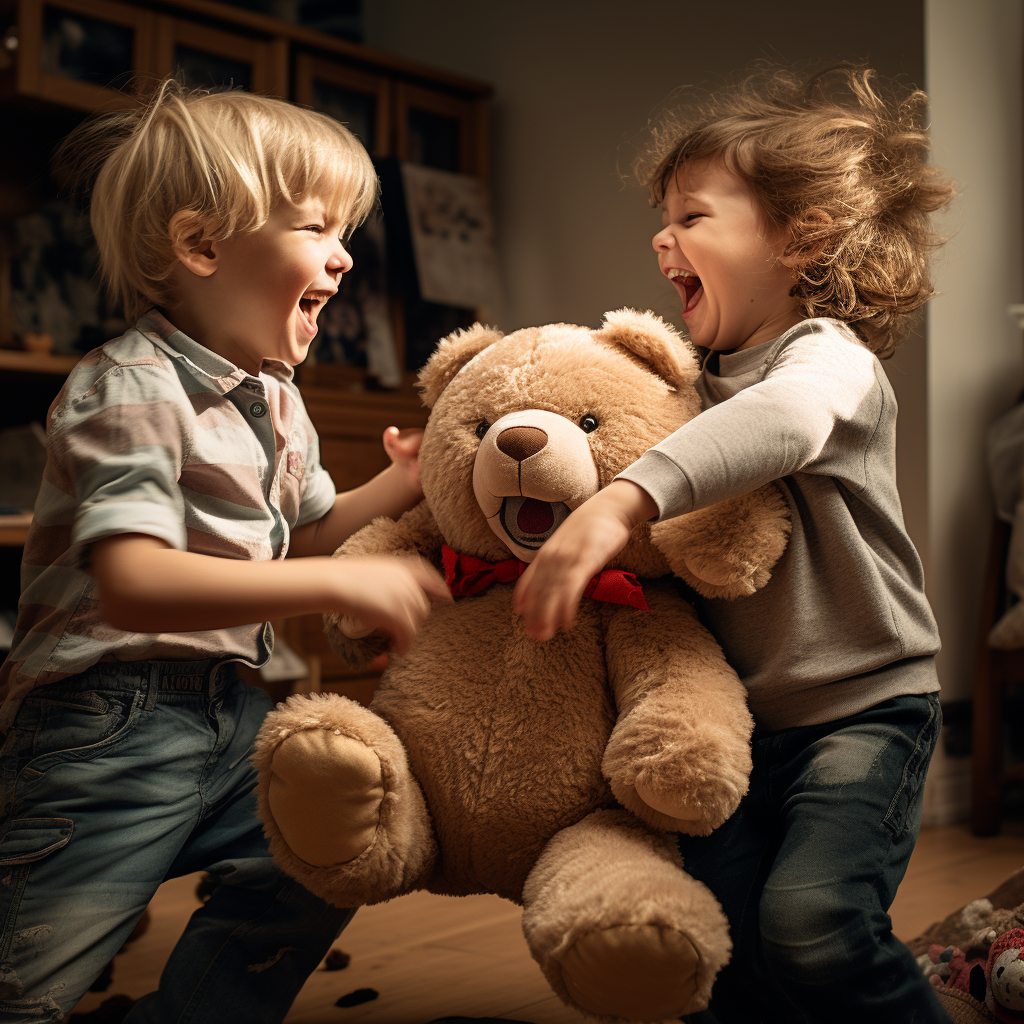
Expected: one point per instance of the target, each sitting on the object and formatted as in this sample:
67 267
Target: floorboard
433 956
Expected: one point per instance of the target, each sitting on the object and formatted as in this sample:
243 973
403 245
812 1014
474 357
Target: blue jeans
807 868
113 781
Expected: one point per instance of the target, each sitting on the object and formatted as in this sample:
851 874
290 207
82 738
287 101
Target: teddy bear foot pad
339 774
639 972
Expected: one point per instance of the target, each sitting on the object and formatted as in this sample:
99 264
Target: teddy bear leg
343 811
618 928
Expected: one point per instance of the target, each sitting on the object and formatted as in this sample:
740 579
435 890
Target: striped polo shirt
153 433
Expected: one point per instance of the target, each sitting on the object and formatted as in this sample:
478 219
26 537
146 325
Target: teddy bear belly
505 736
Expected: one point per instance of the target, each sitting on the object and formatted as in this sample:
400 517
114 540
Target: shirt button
258 409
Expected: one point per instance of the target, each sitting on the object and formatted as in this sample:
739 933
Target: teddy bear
554 773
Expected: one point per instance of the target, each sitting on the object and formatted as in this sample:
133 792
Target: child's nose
340 260
663 241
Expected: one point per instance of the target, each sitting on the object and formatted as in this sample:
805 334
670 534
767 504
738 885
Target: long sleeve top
844 622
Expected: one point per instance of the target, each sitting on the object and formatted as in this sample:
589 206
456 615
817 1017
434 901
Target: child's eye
691 217
316 228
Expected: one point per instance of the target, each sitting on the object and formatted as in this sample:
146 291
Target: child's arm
770 430
549 591
390 493
146 586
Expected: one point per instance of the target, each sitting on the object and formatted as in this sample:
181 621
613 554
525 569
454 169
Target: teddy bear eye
481 428
588 423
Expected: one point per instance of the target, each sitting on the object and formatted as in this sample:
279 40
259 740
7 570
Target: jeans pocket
60 726
25 840
906 799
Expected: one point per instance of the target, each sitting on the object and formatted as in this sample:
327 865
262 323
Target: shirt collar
211 370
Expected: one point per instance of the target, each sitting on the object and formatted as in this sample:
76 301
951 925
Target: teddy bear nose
520 443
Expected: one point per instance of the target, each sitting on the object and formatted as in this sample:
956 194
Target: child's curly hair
838 161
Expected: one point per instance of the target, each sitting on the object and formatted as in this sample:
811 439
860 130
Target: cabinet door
84 54
359 99
439 130
209 58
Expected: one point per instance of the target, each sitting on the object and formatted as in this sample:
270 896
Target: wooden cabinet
206 57
66 58
82 54
358 98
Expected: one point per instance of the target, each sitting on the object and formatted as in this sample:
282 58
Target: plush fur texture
506 762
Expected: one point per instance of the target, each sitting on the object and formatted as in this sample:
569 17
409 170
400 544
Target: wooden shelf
14 529
36 362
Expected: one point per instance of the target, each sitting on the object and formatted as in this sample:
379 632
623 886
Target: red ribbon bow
467 575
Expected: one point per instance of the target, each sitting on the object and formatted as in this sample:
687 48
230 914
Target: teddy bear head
525 427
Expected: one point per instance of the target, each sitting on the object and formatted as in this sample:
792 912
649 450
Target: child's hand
403 448
393 595
549 591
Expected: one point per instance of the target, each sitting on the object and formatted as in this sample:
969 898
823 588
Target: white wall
575 83
975 352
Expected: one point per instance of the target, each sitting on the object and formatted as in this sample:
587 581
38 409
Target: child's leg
850 803
85 839
116 772
833 813
246 953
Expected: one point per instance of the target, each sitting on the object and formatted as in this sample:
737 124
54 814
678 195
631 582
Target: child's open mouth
310 305
688 285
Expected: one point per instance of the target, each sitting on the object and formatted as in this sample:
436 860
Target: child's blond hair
841 163
228 157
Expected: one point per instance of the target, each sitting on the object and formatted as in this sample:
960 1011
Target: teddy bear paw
325 792
675 805
724 577
638 971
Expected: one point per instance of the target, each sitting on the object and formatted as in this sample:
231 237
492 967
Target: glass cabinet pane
434 140
86 49
202 69
356 110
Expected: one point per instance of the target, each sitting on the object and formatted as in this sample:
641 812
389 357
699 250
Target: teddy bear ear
450 356
647 336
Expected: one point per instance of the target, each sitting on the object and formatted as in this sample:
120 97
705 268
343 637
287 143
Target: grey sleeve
778 426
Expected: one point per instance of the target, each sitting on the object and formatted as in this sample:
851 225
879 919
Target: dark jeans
807 868
113 781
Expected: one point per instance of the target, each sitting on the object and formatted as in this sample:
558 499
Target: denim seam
20 872
916 757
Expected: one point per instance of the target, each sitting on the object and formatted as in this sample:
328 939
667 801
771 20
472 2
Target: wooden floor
432 956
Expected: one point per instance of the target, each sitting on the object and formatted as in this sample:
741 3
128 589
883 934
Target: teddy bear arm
679 755
414 533
728 549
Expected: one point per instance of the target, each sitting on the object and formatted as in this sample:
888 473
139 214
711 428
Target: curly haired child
182 468
796 231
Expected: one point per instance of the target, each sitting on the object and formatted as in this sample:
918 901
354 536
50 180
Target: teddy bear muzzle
532 469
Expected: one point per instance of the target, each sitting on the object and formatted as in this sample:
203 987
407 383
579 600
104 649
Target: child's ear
649 338
450 356
191 243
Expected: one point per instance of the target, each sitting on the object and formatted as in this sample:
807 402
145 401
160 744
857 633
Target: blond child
795 230
182 469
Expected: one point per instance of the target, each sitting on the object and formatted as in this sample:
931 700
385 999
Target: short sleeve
119 449
319 492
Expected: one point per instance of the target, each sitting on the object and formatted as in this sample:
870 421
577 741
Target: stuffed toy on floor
549 773
974 958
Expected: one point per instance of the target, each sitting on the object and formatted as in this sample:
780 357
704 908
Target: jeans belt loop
154 685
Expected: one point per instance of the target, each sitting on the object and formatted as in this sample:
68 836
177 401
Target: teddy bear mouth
528 521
